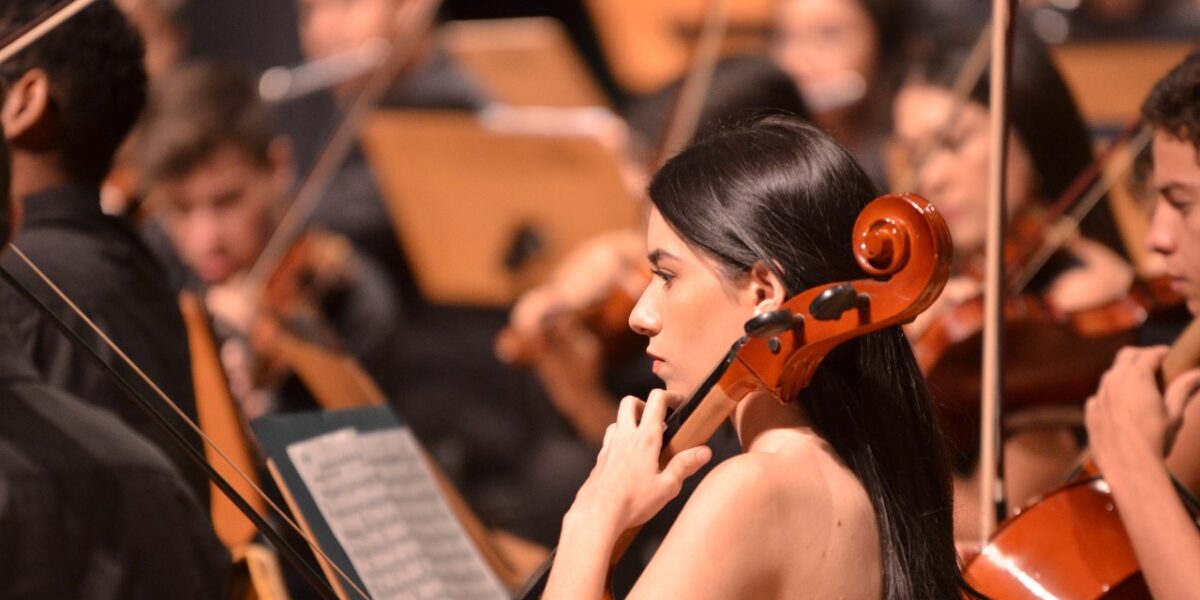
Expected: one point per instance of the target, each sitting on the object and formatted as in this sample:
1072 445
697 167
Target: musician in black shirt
68 101
88 507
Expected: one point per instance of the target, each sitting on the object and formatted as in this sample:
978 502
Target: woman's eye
664 275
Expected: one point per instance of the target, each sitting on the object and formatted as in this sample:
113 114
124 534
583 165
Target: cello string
158 391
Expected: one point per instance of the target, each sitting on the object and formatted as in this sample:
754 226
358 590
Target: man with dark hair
1131 424
218 176
68 101
89 508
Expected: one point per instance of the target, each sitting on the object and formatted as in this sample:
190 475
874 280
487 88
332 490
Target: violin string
296 217
1067 227
158 391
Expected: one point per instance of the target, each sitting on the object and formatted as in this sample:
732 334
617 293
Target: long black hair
1042 111
6 206
783 193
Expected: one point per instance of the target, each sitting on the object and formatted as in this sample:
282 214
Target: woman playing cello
842 491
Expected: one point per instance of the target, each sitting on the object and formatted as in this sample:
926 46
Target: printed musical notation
382 504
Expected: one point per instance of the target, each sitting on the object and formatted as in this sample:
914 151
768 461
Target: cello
1072 543
900 241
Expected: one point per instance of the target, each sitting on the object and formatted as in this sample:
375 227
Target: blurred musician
1048 147
1131 423
490 428
353 206
68 102
218 176
91 508
846 58
160 22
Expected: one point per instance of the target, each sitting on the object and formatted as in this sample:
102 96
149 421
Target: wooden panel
461 196
648 43
525 62
1111 79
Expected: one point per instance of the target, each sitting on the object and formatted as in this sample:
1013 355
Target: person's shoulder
746 522
759 485
96 437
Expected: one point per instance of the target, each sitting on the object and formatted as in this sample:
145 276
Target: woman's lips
658 364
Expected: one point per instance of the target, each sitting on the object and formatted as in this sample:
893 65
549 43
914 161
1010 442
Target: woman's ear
26 105
766 287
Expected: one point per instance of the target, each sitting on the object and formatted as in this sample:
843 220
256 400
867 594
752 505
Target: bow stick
992 502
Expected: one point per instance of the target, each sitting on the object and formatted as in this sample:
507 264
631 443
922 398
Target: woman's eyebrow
659 254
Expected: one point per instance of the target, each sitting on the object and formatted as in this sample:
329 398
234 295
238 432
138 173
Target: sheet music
398 460
379 499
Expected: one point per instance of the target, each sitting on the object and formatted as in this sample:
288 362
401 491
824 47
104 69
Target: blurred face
829 48
691 311
951 162
329 27
1175 229
218 214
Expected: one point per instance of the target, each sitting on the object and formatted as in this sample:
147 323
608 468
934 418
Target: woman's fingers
654 413
629 412
684 465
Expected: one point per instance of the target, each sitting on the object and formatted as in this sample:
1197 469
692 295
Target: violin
1071 544
903 245
1054 356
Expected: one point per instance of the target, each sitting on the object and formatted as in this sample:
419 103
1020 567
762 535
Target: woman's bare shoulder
758 521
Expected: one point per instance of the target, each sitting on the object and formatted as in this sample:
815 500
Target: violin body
1051 358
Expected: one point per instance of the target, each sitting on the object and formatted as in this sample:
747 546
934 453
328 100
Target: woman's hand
1128 420
626 488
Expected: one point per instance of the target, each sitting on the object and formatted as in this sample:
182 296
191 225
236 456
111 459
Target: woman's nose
645 318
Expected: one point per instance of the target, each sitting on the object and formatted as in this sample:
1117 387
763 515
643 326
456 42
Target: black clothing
103 266
89 508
